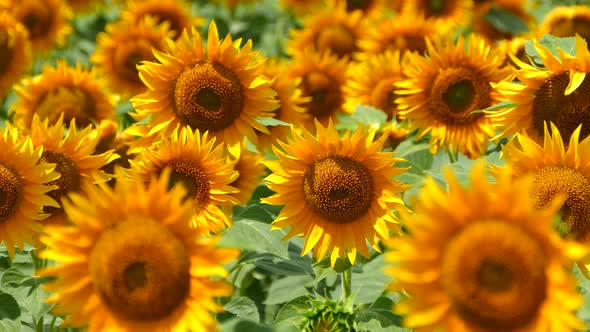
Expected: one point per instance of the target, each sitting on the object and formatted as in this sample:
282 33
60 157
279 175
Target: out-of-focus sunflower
395 134
558 93
111 138
302 7
121 48
447 13
131 262
443 89
47 21
176 12
369 8
481 24
73 91
72 154
15 52
217 88
557 170
494 264
200 167
84 6
24 184
322 77
515 47
564 21
332 29
290 99
406 32
371 82
250 172
338 192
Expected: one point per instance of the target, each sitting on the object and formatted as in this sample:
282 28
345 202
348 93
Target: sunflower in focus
558 93
217 88
322 77
447 13
176 12
72 153
332 29
481 24
15 52
250 172
443 89
122 47
73 91
201 167
371 82
134 264
24 184
290 99
338 192
495 264
567 21
47 21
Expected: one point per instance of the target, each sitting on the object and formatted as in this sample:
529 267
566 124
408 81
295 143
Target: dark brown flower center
36 16
69 180
364 5
11 192
570 26
6 51
72 102
494 273
338 188
325 93
208 96
336 38
174 16
192 177
128 56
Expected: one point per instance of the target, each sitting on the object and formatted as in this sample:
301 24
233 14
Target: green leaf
8 307
7 325
243 307
368 285
379 317
13 278
288 288
271 122
241 325
291 313
552 43
498 106
249 234
505 21
369 116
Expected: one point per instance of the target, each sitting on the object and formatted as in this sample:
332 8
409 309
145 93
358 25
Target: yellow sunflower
515 47
371 82
395 134
134 264
15 52
217 88
443 89
250 172
73 91
369 8
494 264
564 21
47 21
111 138
558 93
302 7
122 47
322 77
338 192
24 184
333 29
290 99
201 166
176 12
84 6
72 153
481 25
447 13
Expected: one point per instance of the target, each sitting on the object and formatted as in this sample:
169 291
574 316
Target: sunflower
333 29
515 47
369 8
24 183
563 21
15 52
302 7
72 91
371 82
110 138
395 134
481 24
322 79
338 192
291 100
494 264
73 158
176 12
84 6
447 13
443 89
121 48
217 88
201 167
134 264
47 21
250 172
558 93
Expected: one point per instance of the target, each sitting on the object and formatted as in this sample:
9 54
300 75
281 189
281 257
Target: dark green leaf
13 278
243 307
291 313
8 307
505 21
240 325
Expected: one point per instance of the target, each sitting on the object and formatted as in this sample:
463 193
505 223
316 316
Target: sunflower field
294 165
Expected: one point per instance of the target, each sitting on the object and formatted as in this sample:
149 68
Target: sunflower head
495 264
338 192
448 13
176 12
72 91
217 88
567 21
482 25
136 264
123 46
15 51
250 172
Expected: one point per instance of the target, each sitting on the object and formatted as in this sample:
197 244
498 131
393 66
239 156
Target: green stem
452 156
346 277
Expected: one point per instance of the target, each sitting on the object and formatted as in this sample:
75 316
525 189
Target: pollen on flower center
140 269
72 102
336 38
208 96
11 192
192 177
552 181
127 57
494 272
69 179
338 188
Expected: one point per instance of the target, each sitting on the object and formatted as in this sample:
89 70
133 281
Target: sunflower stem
346 277
452 156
